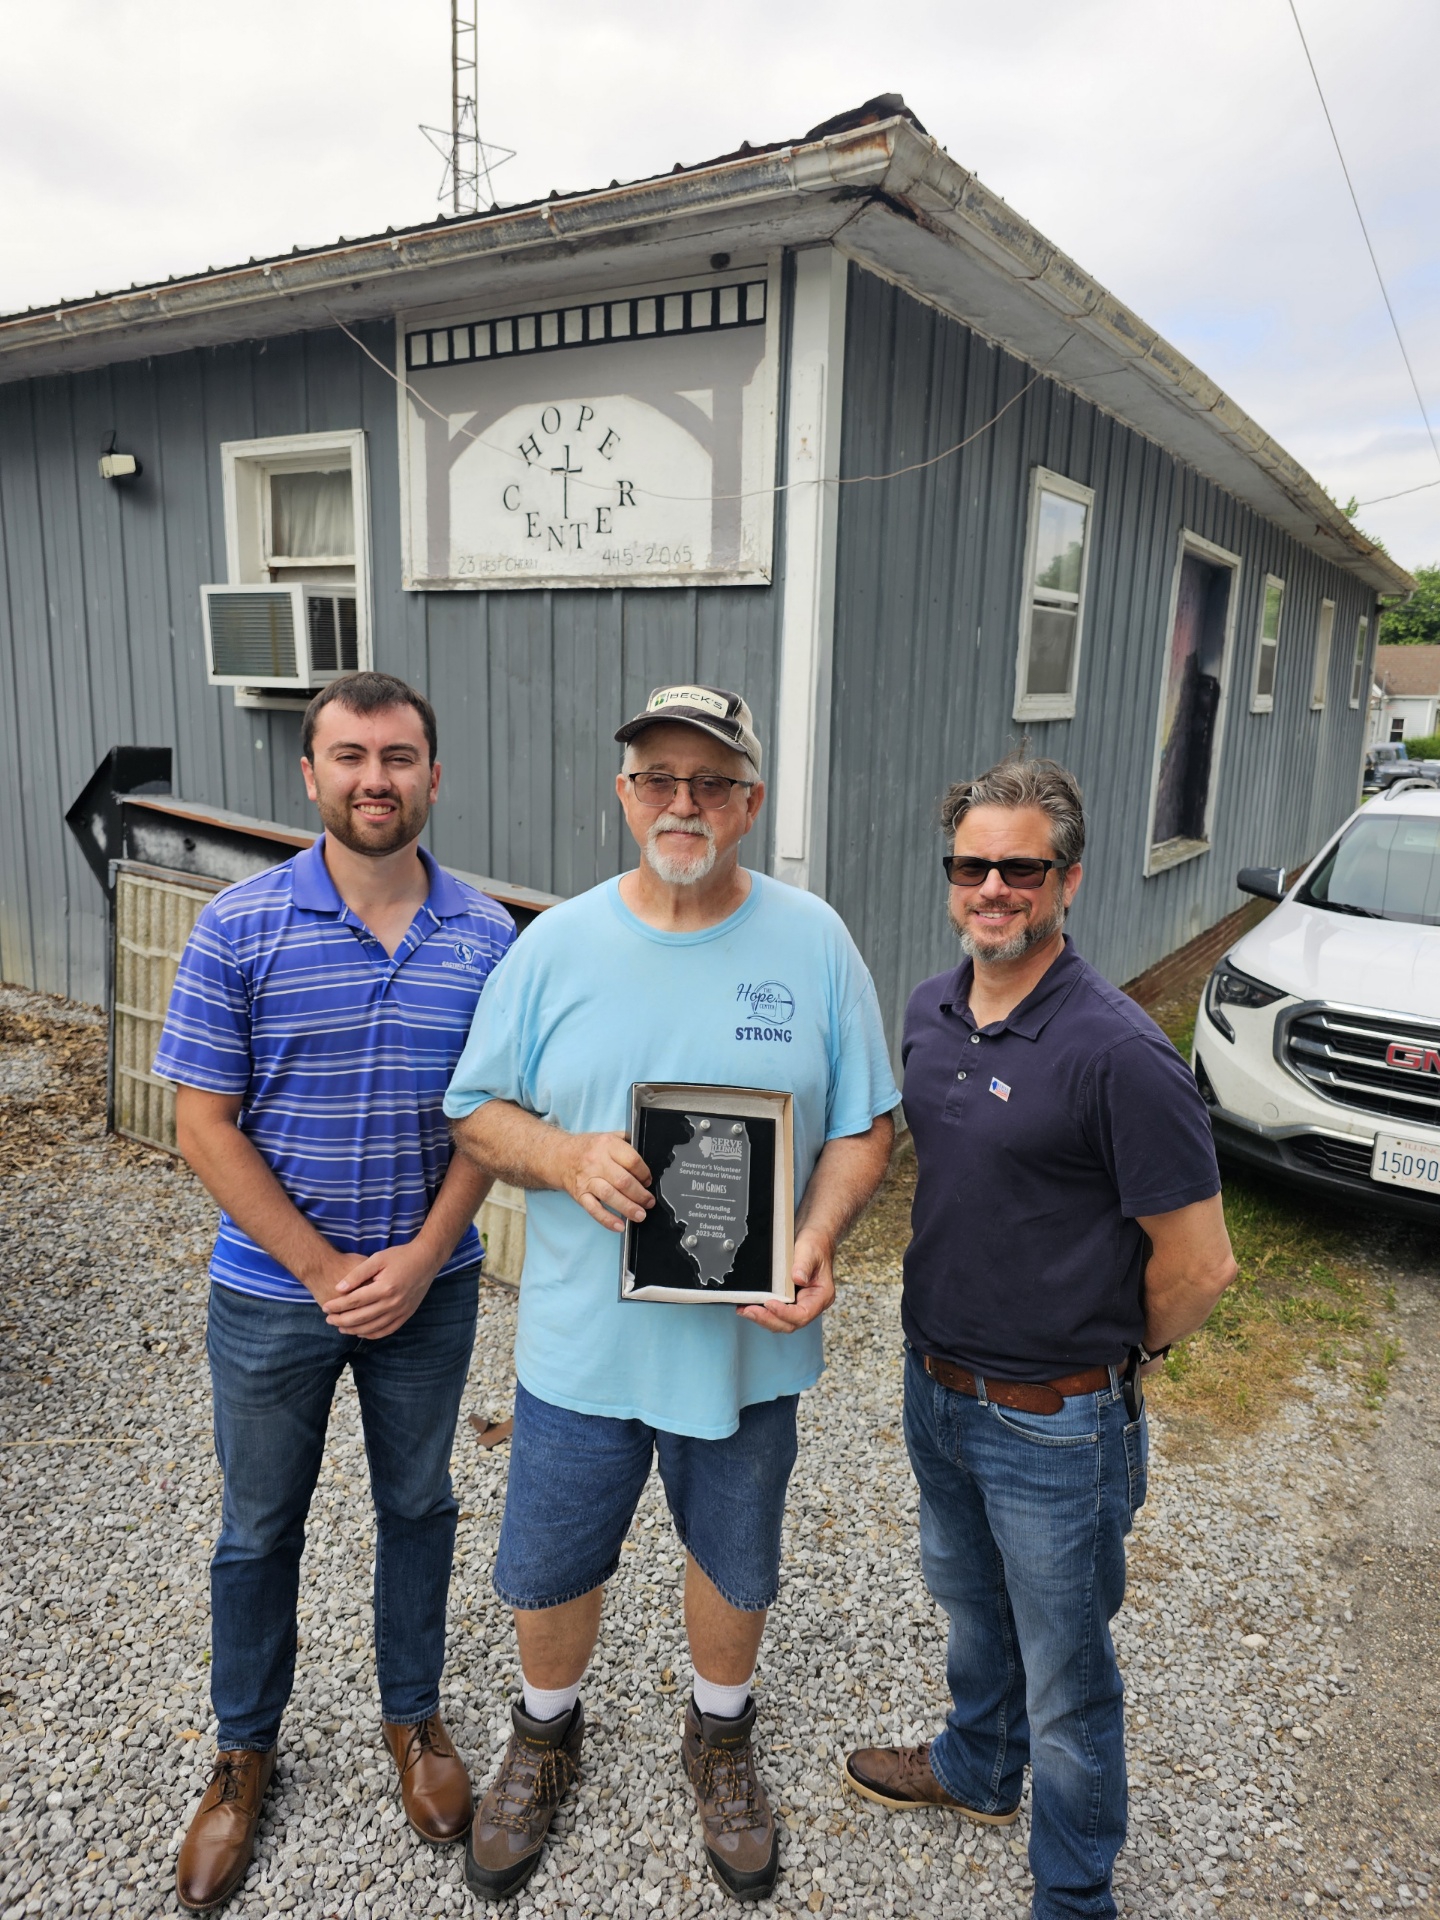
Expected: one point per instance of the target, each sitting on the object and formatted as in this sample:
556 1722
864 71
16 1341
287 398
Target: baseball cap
724 716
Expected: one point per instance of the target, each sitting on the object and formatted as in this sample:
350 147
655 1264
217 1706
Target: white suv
1317 1044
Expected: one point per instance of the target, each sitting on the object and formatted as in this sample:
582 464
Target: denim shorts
576 1479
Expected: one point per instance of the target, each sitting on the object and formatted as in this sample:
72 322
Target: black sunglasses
1026 874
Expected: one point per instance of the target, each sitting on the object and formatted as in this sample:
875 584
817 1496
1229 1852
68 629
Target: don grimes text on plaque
721 1163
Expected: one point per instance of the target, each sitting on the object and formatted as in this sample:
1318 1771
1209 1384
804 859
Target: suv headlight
1228 987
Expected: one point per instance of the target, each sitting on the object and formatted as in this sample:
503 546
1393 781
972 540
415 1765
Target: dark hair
1018 782
368 693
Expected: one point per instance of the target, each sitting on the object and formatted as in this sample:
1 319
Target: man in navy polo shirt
317 1015
1067 1227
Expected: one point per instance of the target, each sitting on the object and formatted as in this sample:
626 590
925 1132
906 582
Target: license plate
1406 1163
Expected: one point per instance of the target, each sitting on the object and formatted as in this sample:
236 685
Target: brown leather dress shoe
900 1777
221 1842
434 1785
741 1842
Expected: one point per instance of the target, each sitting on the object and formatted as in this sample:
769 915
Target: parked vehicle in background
1381 756
1317 1041
1397 770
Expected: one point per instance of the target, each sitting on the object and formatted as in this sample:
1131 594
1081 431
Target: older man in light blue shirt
688 968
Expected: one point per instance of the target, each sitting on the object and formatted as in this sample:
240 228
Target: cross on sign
565 472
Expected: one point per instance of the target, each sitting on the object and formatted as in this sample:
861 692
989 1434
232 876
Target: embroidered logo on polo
465 959
772 1008
999 1089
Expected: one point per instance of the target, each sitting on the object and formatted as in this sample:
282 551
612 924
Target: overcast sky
1178 152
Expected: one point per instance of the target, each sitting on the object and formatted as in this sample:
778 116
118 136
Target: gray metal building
978 499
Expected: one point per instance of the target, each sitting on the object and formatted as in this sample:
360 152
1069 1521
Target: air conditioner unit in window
295 637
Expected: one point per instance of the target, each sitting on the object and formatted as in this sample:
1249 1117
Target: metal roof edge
946 195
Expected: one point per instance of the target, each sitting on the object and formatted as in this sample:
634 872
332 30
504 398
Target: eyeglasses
708 790
1026 874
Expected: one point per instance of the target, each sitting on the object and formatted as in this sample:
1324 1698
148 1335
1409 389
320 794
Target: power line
1384 292
1424 487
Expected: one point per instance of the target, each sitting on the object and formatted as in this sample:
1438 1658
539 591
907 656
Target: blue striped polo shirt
342 1053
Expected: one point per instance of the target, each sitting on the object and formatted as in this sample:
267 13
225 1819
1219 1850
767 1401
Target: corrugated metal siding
101 642
927 621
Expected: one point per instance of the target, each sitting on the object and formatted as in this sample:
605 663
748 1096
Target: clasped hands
609 1179
368 1298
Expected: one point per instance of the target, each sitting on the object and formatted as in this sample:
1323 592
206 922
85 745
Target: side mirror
1266 883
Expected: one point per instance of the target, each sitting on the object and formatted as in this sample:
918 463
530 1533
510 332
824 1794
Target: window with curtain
1324 635
311 518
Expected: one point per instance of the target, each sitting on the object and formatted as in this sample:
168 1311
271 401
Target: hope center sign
624 440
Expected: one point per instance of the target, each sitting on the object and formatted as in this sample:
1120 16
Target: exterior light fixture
118 466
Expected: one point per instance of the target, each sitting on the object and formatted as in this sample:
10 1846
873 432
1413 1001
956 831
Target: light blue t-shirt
590 1000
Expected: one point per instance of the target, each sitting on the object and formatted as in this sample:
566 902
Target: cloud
1178 153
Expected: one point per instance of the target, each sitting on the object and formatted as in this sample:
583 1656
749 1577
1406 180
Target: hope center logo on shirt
772 1008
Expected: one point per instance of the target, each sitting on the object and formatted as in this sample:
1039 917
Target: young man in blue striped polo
318 1013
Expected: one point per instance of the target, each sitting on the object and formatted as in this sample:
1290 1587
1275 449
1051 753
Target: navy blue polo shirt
1039 1140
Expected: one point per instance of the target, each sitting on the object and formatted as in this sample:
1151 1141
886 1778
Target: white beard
680 870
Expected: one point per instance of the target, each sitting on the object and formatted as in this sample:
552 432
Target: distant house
825 421
1406 702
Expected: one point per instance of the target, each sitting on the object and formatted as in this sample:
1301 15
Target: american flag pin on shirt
999 1089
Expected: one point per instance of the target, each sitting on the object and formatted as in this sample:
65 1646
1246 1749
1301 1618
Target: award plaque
722 1169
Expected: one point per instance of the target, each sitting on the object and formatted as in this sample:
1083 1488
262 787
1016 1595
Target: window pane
311 516
1052 649
1191 704
1265 678
1059 542
1270 620
1323 637
1357 677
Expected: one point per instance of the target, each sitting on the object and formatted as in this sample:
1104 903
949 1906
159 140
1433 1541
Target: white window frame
1357 666
1265 702
245 467
1173 853
1324 645
1051 706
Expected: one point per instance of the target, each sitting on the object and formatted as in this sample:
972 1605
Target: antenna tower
469 160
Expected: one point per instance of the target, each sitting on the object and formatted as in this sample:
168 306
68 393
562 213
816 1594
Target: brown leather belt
1020 1394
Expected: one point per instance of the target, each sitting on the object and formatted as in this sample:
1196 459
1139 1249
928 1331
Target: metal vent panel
1341 1053
153 920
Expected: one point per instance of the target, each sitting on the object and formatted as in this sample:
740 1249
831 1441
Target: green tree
1417 623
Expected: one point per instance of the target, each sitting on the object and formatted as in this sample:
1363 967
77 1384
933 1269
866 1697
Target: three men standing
655 977
318 1012
1067 1226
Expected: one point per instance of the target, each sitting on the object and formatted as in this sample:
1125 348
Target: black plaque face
710 1230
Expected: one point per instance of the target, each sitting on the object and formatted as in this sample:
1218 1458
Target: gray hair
1017 782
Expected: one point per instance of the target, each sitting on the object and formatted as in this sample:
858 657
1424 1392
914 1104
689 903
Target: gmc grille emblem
1413 1059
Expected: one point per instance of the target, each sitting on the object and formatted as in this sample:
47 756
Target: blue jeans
576 1480
1023 1519
274 1365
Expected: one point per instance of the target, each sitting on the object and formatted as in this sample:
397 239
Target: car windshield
1386 867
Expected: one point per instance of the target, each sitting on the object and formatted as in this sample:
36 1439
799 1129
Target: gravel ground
1237 1639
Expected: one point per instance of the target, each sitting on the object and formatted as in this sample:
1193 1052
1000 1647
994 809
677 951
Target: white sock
726 1703
548 1703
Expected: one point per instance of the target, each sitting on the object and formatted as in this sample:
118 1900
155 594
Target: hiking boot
900 1777
741 1843
221 1842
511 1822
434 1786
